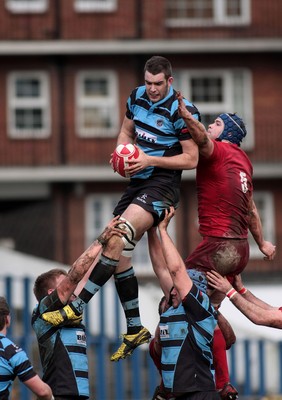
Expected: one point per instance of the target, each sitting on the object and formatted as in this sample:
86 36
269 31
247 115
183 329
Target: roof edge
65 47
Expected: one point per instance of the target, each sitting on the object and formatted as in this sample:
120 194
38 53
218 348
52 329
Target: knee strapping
128 237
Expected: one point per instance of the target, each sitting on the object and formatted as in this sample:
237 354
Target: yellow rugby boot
58 317
130 342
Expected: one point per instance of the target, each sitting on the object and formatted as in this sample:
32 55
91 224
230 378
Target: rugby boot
66 314
130 342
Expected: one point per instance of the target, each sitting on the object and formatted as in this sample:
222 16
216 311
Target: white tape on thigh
128 237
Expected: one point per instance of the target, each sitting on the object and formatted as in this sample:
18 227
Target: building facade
67 68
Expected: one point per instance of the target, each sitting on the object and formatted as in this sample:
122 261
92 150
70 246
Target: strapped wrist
231 293
243 290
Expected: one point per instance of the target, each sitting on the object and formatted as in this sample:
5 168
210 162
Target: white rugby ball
121 155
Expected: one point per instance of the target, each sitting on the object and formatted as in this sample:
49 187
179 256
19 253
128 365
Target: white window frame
95 5
110 102
266 212
107 201
220 17
42 102
232 101
27 6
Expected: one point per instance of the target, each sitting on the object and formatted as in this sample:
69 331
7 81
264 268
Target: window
265 205
97 104
95 5
28 105
181 13
25 6
218 91
99 211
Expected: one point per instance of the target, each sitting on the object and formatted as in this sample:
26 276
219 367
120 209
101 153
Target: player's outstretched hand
136 165
218 282
269 250
182 110
168 215
111 229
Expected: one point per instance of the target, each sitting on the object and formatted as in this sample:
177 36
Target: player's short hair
157 64
163 305
4 311
46 281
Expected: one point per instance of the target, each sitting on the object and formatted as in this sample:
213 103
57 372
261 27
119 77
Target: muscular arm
196 129
39 388
175 264
85 261
126 134
255 227
248 295
77 271
85 278
158 262
260 316
188 159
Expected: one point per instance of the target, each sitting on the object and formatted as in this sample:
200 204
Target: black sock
127 289
101 273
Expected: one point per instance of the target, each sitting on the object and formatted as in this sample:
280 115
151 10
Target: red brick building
67 68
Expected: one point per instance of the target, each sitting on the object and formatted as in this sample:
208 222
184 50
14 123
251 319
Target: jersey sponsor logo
81 338
79 306
146 135
17 348
244 182
143 198
164 331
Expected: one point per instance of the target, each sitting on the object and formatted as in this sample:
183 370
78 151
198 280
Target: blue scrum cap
234 129
199 279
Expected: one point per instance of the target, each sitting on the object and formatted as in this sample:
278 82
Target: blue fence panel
135 378
261 377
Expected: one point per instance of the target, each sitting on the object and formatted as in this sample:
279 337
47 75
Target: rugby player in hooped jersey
63 348
186 327
165 148
14 362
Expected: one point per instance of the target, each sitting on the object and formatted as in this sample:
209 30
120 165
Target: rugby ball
121 155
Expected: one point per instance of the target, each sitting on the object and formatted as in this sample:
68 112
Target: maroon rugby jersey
224 184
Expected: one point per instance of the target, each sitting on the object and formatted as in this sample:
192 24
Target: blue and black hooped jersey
186 335
158 129
62 351
13 363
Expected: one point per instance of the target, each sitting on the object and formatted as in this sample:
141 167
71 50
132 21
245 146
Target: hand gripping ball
121 155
